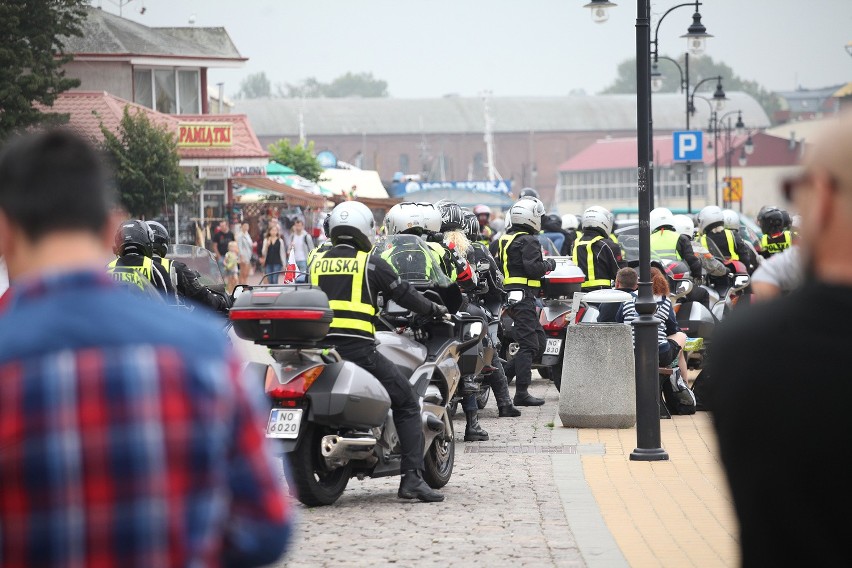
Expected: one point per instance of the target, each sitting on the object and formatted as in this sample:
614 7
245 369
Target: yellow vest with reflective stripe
353 311
732 248
590 262
442 255
664 244
138 275
509 279
776 247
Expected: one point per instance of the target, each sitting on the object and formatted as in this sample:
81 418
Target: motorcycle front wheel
314 484
439 458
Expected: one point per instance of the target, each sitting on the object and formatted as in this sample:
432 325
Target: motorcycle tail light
294 389
580 313
557 324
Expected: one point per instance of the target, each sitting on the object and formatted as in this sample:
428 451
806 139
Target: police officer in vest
597 256
711 225
776 237
134 245
185 280
352 288
667 243
519 253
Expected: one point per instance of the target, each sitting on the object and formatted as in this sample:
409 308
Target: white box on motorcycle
562 282
295 315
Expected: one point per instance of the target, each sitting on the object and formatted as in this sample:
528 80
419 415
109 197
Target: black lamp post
717 123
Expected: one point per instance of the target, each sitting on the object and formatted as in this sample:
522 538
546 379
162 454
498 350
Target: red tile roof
621 153
88 109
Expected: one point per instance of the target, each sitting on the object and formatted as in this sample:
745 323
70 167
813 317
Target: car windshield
412 259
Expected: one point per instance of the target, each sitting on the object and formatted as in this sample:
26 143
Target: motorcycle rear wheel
440 457
314 485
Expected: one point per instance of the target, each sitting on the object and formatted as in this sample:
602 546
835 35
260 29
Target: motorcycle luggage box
282 315
562 282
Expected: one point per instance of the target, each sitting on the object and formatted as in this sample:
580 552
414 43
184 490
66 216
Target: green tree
146 163
255 86
300 158
348 85
699 68
32 54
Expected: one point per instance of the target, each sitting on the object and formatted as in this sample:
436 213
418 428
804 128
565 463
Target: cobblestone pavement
502 507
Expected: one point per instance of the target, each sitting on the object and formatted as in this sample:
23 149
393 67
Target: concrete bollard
598 377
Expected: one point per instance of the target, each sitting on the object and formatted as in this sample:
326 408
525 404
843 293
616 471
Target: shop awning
372 202
292 196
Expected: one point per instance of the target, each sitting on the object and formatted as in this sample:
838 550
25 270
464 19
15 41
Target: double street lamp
647 382
718 123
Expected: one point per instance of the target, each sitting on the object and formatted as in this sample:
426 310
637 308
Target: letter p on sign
688 146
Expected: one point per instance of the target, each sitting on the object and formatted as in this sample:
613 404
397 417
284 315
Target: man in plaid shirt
126 438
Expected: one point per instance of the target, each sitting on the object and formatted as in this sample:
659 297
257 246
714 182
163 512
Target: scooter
330 418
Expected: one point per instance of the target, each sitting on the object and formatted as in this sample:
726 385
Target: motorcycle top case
282 315
562 282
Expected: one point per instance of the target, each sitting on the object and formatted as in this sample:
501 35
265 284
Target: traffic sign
688 145
733 191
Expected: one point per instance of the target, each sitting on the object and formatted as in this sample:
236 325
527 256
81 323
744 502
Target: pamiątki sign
204 134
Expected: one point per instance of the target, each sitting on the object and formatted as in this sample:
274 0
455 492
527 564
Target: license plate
284 423
552 347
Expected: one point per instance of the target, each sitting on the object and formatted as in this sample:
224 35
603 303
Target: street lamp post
716 124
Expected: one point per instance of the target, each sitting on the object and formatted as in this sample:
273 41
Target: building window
403 163
478 166
168 90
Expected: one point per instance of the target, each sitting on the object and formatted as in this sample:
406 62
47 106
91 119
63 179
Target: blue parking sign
688 146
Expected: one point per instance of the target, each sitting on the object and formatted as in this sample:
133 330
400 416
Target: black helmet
788 220
471 226
452 216
528 191
763 211
134 237
772 221
161 238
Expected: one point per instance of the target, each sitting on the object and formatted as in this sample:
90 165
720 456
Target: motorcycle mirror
684 287
472 330
741 281
482 266
238 290
394 309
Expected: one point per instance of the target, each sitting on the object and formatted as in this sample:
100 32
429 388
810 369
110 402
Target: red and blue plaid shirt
126 438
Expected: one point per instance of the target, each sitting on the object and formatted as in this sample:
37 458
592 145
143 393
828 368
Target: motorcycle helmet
325 221
528 192
569 222
482 210
600 217
352 223
405 217
551 223
661 217
709 217
772 222
431 217
527 211
788 220
471 226
452 216
683 224
161 238
732 219
134 237
763 211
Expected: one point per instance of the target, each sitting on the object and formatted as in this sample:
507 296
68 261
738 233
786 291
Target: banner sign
213 172
204 134
243 171
498 187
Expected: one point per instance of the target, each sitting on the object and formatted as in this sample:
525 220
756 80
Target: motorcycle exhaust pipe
339 449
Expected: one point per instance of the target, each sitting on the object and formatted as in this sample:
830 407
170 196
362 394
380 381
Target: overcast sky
510 47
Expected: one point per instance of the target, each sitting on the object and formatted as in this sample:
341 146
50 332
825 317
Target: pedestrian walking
246 248
126 435
777 406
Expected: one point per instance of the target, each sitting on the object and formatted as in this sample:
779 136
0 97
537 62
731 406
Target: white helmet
405 217
431 217
527 211
796 222
683 224
352 222
570 221
710 215
661 217
597 216
732 219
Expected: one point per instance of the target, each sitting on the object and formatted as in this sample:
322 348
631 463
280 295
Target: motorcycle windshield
202 261
547 246
713 249
413 259
628 238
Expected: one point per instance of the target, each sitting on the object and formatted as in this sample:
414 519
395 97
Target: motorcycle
331 419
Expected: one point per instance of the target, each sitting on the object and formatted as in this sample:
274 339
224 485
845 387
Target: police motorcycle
330 418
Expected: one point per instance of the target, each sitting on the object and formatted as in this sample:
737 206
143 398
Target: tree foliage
31 37
300 158
146 164
348 85
699 68
255 86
